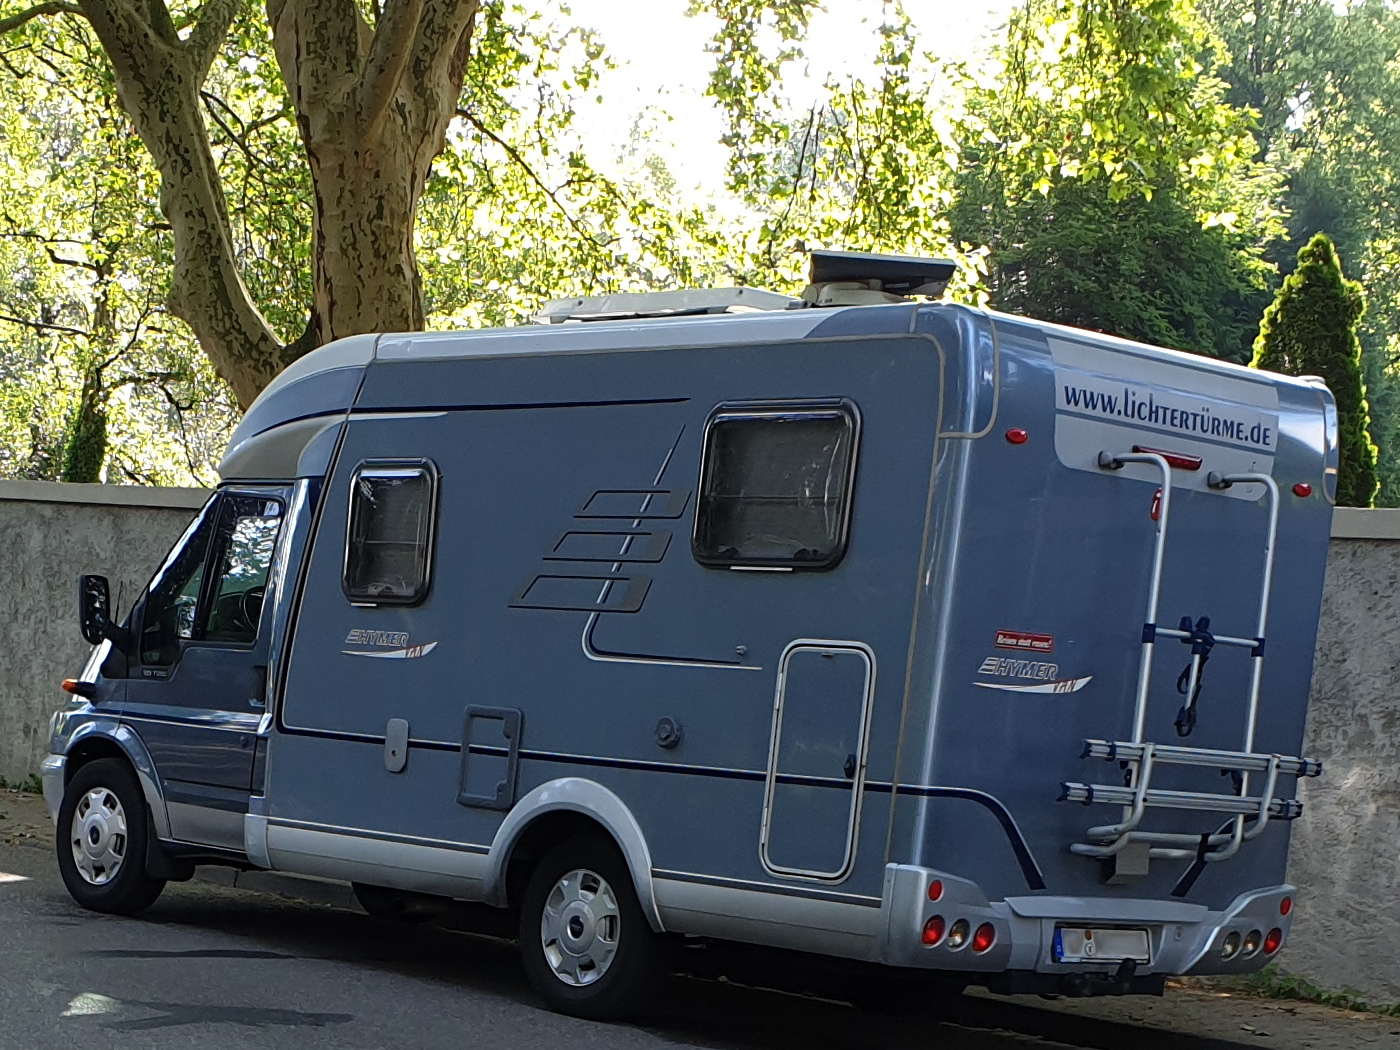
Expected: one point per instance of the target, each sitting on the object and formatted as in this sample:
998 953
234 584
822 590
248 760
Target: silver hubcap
579 928
99 836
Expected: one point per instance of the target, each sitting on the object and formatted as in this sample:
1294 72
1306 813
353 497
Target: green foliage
1310 329
1137 268
1325 84
97 382
30 785
515 213
1271 983
868 167
1118 90
1112 181
86 448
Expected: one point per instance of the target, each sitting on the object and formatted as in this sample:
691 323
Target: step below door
816 761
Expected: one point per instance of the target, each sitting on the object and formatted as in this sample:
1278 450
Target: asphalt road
219 967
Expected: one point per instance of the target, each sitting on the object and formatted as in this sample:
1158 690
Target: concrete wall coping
103 495
1356 523
1348 523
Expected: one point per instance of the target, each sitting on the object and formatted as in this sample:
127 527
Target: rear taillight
935 890
984 938
1274 941
1285 906
933 930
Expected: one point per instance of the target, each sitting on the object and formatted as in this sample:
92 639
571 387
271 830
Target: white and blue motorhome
900 632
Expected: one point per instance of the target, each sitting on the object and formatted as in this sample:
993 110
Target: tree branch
441 51
38 11
211 26
389 55
516 156
41 326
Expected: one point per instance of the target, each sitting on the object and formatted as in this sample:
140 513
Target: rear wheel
587 948
102 840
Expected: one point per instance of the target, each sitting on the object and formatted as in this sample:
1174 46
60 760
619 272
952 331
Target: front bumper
1183 938
51 775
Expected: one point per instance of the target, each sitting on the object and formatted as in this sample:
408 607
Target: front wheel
587 948
101 840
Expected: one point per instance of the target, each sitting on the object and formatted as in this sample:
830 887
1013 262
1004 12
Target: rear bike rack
1249 814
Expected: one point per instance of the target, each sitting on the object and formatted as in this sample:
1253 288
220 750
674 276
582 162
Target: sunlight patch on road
5 877
88 1003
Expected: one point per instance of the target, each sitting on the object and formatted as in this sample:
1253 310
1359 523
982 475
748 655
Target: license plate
1078 944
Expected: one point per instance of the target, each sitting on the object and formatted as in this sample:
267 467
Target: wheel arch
555 811
101 739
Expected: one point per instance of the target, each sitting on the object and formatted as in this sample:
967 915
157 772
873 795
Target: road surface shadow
701 1012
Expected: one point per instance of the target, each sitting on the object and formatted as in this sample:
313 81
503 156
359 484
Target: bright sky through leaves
662 69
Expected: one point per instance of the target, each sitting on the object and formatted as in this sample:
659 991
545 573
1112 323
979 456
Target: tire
101 839
587 948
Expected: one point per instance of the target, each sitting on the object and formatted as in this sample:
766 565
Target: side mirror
95 612
94 608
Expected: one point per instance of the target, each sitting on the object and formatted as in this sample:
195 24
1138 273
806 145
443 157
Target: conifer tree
1310 329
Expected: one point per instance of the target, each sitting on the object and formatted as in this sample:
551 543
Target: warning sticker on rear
1025 641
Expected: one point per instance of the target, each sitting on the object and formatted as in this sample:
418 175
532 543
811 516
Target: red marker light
933 930
1017 436
935 890
1285 906
985 937
1274 941
1302 489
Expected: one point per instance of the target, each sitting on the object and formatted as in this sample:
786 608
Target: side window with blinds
775 485
389 545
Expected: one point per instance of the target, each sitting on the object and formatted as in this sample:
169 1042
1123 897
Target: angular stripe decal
410 653
1067 685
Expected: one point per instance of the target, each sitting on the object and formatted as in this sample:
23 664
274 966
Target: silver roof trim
603 336
688 302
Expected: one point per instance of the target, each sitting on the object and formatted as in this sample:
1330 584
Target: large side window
388 553
775 485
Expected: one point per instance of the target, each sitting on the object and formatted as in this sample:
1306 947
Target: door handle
850 767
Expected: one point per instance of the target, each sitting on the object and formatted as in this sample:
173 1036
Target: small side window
775 485
388 550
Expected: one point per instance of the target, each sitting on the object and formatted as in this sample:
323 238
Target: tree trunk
158 78
85 449
373 106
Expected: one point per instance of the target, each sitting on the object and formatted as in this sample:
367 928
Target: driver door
196 688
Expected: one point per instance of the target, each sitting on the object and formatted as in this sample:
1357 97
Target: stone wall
52 534
1345 854
1346 847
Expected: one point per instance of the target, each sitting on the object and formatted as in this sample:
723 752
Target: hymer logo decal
1045 676
385 645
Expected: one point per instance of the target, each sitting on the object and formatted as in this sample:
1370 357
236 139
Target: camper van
929 641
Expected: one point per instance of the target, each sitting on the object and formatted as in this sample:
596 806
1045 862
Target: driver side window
244 551
212 588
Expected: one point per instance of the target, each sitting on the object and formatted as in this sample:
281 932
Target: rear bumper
1182 938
